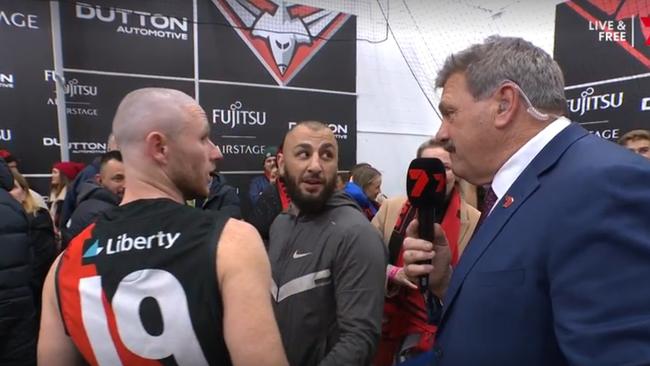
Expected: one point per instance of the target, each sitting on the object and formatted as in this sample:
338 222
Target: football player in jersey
155 282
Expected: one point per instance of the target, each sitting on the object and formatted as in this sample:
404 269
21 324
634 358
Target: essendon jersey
139 287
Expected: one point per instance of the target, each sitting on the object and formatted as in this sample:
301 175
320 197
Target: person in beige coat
406 329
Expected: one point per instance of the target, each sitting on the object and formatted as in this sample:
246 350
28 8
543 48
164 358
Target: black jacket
267 208
223 198
74 190
41 234
329 273
93 199
17 315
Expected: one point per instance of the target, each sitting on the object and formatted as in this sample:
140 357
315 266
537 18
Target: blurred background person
260 183
41 235
12 162
353 171
341 179
98 196
222 197
637 141
364 187
273 201
18 327
407 330
88 174
10 159
63 173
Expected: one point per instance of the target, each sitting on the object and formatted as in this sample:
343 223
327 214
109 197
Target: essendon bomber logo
283 36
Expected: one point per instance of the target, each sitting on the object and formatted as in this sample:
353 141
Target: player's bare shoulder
239 233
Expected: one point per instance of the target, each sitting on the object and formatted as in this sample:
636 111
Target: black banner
262 67
91 102
293 45
609 110
25 40
245 120
603 48
141 37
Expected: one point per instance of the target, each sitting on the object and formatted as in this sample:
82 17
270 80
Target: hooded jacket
87 175
223 198
93 199
17 315
328 284
367 206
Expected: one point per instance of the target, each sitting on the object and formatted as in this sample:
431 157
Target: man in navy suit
556 273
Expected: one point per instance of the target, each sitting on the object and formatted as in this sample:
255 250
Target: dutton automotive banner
603 48
142 37
257 68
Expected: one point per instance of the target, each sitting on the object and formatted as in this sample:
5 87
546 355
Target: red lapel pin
508 201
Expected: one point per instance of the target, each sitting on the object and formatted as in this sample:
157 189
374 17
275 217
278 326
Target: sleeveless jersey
139 287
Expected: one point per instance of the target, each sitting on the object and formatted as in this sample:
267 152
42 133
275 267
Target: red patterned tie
488 201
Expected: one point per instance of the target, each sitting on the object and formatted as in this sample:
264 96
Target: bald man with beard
154 280
328 261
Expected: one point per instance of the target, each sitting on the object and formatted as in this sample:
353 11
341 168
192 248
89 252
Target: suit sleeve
359 276
599 265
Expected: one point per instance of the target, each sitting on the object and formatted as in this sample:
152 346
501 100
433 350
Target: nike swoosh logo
296 255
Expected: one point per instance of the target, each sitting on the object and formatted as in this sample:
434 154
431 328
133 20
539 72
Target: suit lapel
520 191
526 185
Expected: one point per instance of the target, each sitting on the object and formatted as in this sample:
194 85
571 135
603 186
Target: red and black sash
405 313
450 224
284 196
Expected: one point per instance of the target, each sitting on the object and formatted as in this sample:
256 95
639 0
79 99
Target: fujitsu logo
235 116
73 87
589 102
283 36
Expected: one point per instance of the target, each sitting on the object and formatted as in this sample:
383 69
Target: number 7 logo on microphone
422 180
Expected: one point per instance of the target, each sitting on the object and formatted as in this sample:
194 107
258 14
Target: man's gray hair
488 65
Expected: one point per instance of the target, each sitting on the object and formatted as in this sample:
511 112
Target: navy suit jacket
559 276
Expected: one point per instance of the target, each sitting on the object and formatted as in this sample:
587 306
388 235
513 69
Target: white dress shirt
510 171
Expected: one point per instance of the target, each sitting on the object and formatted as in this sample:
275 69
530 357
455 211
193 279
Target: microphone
426 185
